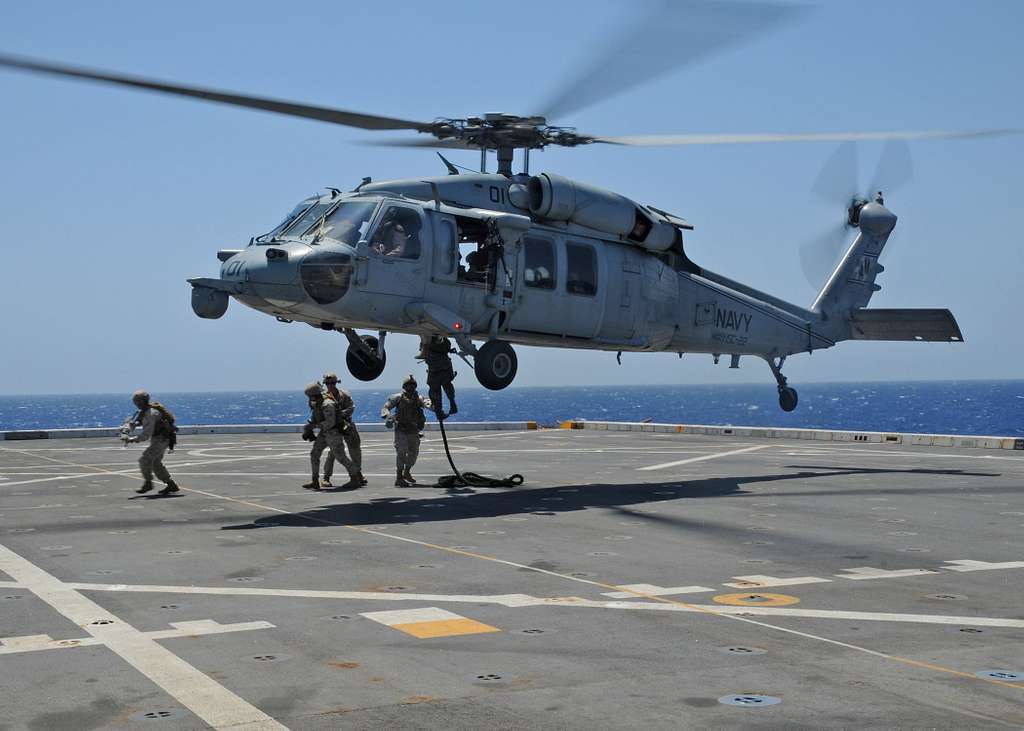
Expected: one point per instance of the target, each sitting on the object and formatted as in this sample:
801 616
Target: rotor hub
496 131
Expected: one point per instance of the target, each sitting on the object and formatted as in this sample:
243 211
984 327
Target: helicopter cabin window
539 271
398 234
581 272
473 260
349 222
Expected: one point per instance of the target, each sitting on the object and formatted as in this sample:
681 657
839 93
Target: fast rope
471 479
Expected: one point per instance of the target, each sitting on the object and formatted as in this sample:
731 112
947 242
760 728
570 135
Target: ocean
946 407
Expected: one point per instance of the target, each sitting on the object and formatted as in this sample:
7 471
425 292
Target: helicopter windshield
307 219
295 213
349 221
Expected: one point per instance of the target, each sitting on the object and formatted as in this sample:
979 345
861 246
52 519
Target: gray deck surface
294 574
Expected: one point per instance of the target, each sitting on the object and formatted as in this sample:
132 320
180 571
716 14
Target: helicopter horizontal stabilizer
930 326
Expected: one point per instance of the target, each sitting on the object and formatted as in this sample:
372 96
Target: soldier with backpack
324 430
407 421
159 430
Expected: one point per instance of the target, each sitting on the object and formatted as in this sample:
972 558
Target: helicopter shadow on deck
466 503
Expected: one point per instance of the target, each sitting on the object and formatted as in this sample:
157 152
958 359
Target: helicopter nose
269 272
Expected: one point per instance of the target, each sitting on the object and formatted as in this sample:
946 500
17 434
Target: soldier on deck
440 374
346 408
324 421
159 430
407 420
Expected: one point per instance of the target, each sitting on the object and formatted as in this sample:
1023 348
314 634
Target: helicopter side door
538 302
396 259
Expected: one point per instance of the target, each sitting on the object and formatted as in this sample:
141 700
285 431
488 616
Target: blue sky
110 198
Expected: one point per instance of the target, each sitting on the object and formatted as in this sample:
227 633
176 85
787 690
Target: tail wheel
495 364
362 365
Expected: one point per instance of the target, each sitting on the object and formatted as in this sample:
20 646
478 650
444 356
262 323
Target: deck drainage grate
971 630
103 572
1000 675
340 617
176 552
170 606
246 579
946 597
268 658
742 650
13 596
159 715
531 631
100 622
749 700
488 678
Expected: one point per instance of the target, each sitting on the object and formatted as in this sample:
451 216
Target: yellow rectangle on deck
444 628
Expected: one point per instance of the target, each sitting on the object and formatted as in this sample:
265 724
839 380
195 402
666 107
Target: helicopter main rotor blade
743 139
293 109
446 144
671 34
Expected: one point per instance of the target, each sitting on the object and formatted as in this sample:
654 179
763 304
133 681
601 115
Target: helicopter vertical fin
852 283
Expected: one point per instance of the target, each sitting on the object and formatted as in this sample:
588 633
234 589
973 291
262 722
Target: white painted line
867 572
691 460
631 591
210 701
761 581
968 565
33 643
508 600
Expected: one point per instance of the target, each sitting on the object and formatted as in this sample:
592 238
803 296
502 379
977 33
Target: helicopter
504 258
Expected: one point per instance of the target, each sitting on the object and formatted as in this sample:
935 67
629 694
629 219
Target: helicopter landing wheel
365 366
787 398
495 364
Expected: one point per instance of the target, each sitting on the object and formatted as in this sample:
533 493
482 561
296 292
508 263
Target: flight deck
637 579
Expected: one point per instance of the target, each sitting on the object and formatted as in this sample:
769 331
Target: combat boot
172 487
363 482
452 408
146 487
313 485
408 476
353 483
326 482
400 480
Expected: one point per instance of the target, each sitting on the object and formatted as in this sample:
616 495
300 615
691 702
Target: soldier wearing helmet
323 420
407 420
159 430
434 351
349 433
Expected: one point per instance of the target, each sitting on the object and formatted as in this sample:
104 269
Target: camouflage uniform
324 417
155 431
408 420
440 374
346 407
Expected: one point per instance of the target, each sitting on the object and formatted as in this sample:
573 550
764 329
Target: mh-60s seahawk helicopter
548 261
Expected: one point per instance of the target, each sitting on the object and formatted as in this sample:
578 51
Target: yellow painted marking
756 600
493 559
444 628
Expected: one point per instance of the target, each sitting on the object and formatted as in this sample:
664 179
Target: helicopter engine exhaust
557 198
209 303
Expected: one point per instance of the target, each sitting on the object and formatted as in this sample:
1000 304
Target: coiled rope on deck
471 479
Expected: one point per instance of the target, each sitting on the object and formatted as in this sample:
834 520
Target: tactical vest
409 414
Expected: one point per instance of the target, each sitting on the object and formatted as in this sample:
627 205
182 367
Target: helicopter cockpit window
581 274
307 219
539 271
398 234
296 212
349 222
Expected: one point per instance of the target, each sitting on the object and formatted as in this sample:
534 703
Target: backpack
165 426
